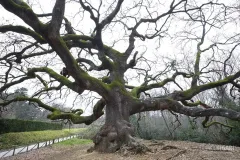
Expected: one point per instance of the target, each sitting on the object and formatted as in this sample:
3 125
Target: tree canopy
133 56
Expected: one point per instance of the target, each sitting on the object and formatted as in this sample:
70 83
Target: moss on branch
76 117
52 74
23 11
144 87
22 30
188 94
63 80
24 98
135 92
154 104
207 125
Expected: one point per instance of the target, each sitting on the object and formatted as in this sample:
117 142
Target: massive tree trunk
117 130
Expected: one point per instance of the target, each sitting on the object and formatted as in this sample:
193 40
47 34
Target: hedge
16 125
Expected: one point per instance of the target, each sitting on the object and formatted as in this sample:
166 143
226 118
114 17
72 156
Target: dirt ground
161 150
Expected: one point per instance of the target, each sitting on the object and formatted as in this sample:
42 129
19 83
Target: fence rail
22 149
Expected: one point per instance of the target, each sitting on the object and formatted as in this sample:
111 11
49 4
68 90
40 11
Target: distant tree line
167 125
22 109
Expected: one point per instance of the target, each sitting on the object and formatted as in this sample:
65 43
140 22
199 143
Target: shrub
15 125
234 135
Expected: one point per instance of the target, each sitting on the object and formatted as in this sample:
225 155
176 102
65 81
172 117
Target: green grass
74 141
9 140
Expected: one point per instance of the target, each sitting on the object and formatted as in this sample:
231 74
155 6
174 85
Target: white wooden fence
22 149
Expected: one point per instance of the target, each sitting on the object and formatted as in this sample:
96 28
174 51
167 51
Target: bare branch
172 105
57 17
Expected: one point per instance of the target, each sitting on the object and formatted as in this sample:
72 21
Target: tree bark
117 130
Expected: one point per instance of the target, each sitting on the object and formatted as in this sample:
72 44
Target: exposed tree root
126 149
134 147
90 150
169 147
177 154
157 144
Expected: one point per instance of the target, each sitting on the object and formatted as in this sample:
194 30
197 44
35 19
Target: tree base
118 137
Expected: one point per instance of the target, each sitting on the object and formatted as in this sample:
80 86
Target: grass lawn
9 140
74 141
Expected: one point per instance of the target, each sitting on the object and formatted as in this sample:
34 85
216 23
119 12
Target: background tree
22 109
120 51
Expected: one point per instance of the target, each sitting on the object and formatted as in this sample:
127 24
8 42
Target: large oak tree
116 62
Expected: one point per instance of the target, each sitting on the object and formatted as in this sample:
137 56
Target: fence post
14 150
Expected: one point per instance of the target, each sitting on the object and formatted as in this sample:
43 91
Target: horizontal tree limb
155 104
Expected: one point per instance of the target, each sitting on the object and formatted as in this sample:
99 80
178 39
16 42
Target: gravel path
161 150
